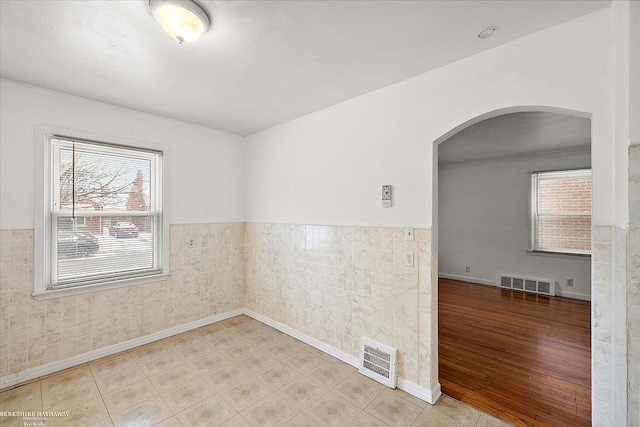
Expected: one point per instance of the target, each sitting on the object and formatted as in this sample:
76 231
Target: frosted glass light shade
183 20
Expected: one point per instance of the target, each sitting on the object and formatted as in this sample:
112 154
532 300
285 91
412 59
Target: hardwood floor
524 358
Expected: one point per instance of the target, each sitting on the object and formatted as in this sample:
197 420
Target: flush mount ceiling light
183 20
486 32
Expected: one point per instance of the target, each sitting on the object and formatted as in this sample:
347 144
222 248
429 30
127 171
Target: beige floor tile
282 338
247 331
487 420
160 364
448 411
24 398
128 396
172 422
358 389
150 351
256 362
85 414
303 391
273 410
406 396
210 412
210 362
301 420
67 389
393 410
246 393
143 414
172 378
314 351
187 395
331 410
222 342
264 340
362 419
106 422
237 421
13 421
239 350
194 351
112 365
303 361
119 380
278 375
225 376
282 350
330 373
184 339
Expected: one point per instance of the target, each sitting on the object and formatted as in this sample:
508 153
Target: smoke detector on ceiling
487 32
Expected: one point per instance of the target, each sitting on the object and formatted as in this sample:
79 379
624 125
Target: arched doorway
436 167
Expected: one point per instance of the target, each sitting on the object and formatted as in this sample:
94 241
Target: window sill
59 293
559 254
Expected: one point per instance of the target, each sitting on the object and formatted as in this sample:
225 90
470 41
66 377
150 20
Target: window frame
44 188
534 179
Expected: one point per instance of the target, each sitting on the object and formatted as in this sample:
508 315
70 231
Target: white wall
327 167
483 223
634 72
205 172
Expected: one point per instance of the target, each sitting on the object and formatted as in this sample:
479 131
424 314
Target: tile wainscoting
337 284
333 284
608 327
633 294
205 280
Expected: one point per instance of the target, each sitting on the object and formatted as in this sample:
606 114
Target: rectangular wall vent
527 284
378 362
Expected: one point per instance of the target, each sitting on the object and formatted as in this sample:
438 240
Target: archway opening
509 188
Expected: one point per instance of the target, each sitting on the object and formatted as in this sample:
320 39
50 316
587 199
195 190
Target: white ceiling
263 62
516 134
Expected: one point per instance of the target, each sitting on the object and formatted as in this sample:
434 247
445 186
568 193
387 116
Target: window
103 218
561 211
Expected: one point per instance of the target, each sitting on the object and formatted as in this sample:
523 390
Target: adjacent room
514 268
319 213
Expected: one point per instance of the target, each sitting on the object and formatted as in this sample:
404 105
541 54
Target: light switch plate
408 234
386 196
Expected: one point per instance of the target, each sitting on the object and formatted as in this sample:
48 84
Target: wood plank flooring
524 358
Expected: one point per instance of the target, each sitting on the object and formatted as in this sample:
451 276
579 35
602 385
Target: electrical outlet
467 269
408 234
408 259
569 282
191 243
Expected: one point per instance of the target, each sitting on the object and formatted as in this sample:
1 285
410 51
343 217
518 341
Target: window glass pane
570 232
564 213
94 247
89 179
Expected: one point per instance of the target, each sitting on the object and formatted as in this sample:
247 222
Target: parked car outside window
123 229
72 244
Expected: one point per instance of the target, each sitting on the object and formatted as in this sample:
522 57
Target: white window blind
105 213
561 211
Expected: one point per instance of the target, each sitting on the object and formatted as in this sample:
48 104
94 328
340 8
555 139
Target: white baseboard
50 368
574 295
430 396
326 348
467 279
559 293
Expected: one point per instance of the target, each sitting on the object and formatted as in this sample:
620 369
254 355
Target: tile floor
238 372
